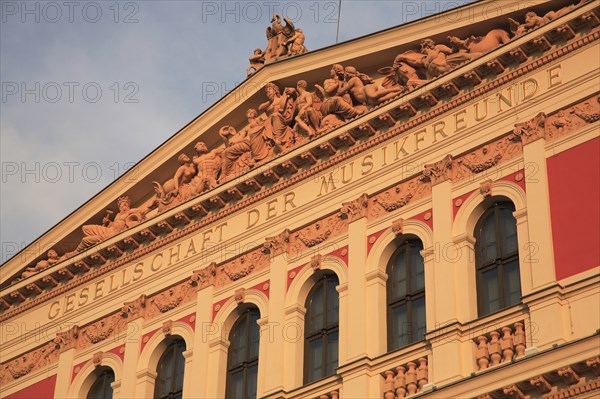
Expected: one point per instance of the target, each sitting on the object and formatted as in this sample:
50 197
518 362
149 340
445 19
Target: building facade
411 213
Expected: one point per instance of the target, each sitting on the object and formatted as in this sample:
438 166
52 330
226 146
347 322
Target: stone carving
531 130
485 188
204 277
398 226
282 41
439 171
541 384
208 166
356 209
177 189
242 266
475 46
97 359
167 300
587 112
98 331
134 309
296 114
390 202
280 110
363 90
277 244
257 61
481 159
533 21
52 259
314 235
66 340
126 217
569 375
513 392
308 118
239 296
316 262
25 364
167 327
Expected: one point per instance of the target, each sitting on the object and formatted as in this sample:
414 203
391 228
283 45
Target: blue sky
90 87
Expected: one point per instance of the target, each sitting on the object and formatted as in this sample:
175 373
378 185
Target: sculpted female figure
280 110
364 90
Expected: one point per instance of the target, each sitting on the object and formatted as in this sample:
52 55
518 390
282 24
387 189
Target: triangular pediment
299 151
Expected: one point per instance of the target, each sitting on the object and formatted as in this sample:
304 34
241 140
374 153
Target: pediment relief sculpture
295 115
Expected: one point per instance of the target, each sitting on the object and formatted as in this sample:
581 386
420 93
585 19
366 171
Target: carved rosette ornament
356 209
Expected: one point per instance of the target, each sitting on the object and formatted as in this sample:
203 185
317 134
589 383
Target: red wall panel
574 184
43 389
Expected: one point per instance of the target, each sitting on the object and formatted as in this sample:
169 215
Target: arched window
497 259
321 329
102 389
406 295
242 361
169 379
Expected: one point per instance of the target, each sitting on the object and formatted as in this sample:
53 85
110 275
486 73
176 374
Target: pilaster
63 377
204 327
357 256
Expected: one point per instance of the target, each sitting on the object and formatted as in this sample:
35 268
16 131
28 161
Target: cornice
79 262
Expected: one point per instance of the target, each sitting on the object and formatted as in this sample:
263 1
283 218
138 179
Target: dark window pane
399 289
320 332
508 228
170 369
315 359
491 294
242 363
252 381
101 389
332 353
418 319
512 283
418 271
399 324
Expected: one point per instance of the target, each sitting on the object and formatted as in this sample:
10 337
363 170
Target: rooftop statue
283 40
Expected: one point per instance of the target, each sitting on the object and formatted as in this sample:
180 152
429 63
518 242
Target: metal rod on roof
337 33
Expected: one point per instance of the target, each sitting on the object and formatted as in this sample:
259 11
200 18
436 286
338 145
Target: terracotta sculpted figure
179 186
335 109
257 61
309 115
126 217
280 109
363 90
436 60
296 43
401 75
53 258
208 166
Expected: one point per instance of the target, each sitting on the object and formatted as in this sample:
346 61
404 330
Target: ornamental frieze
558 127
29 362
292 116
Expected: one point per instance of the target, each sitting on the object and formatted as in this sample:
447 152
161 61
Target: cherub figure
257 61
297 43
